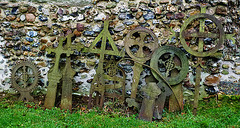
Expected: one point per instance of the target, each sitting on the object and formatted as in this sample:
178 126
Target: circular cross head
140 44
24 76
202 35
171 63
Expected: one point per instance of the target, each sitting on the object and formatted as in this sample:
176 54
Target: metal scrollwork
168 59
24 78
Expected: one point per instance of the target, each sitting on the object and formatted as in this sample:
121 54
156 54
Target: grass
225 113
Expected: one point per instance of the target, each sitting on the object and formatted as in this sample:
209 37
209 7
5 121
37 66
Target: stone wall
28 28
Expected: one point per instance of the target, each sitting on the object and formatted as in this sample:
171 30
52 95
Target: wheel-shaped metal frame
172 56
219 36
145 39
24 76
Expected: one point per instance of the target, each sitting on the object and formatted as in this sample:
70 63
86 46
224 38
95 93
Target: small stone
54 16
9 45
237 64
36 44
60 12
10 18
42 64
164 1
225 66
23 9
96 28
17 25
237 71
77 33
7 12
150 15
119 28
32 9
80 17
139 15
158 10
18 53
134 9
117 37
212 80
88 33
32 33
30 17
225 72
22 17
52 39
14 11
128 22
26 43
29 39
43 41
100 17
155 21
43 47
132 4
179 15
170 16
122 16
3 3
111 5
221 10
31 54
194 12
80 27
42 33
25 53
6 24
42 18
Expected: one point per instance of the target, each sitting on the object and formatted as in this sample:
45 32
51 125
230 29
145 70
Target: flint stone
150 15
30 17
3 3
80 17
14 11
32 9
23 9
100 17
237 71
119 28
32 33
88 33
80 27
212 80
221 10
42 18
22 17
164 1
128 22
96 28
29 39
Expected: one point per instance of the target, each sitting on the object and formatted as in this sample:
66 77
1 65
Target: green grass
225 113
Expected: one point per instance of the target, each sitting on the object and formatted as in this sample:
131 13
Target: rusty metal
24 78
168 59
151 92
173 65
55 74
160 101
184 33
98 84
115 76
140 43
199 51
68 74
